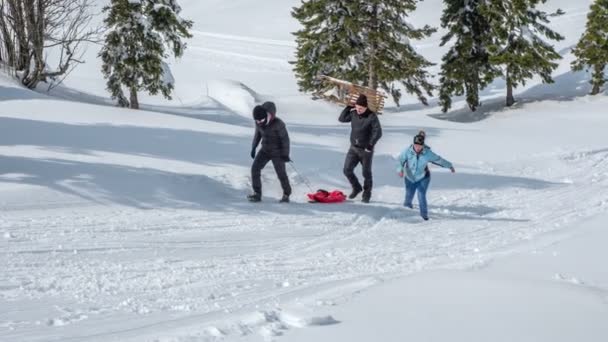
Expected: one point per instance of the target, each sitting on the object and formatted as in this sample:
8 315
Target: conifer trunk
510 98
596 89
597 78
134 102
373 79
373 76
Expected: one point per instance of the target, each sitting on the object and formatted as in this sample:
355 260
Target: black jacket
274 137
365 128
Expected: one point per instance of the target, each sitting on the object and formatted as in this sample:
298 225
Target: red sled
324 196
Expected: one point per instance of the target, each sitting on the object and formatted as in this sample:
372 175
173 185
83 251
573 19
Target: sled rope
304 179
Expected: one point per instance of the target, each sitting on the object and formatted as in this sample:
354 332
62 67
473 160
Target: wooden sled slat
344 92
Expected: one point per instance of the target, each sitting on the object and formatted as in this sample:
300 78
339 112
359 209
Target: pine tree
592 49
520 49
140 33
390 57
328 39
366 42
466 67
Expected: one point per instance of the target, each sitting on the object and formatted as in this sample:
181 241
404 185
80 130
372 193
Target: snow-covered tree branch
140 33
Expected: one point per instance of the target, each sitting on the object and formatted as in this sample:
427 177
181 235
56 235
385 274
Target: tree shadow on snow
444 180
377 210
343 131
567 87
172 144
146 187
141 188
207 109
16 93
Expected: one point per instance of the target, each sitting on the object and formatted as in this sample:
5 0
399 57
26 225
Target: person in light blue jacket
413 164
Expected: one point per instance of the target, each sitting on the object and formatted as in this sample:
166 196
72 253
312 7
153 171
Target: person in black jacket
364 135
271 131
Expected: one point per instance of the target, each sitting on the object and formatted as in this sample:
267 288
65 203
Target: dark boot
367 195
255 197
284 199
355 193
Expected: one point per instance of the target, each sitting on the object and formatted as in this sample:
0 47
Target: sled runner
324 196
344 92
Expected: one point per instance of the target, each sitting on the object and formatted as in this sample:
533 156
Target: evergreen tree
329 37
390 57
592 49
140 32
519 28
466 67
365 42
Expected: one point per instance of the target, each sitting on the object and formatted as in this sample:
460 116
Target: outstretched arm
437 160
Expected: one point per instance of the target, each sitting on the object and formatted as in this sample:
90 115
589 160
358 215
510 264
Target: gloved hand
285 159
369 149
253 153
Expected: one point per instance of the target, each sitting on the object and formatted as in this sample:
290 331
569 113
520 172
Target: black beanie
259 113
419 139
270 107
362 100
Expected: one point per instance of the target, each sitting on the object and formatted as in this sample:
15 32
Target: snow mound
274 323
266 324
233 95
303 322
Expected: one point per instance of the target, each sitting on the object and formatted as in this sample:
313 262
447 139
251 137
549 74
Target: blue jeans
421 186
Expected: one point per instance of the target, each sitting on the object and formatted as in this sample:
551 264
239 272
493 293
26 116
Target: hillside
120 225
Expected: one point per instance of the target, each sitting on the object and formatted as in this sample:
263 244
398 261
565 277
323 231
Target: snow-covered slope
553 292
119 225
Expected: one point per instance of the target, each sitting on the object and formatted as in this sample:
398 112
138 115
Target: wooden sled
346 93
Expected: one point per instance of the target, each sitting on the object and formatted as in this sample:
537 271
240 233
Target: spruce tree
365 42
140 33
592 49
520 49
466 67
390 57
329 37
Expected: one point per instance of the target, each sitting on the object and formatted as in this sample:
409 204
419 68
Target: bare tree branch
29 29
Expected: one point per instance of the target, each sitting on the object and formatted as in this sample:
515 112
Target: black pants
260 161
355 156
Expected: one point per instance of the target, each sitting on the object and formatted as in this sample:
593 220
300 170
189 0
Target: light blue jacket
415 164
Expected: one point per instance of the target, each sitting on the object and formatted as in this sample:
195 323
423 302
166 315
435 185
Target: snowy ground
552 292
120 225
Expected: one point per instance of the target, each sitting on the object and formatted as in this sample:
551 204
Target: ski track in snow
148 262
239 53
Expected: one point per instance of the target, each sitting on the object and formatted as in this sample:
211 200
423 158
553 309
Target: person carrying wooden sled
364 135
